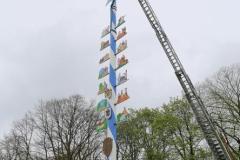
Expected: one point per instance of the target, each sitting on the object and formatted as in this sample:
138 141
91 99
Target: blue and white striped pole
112 131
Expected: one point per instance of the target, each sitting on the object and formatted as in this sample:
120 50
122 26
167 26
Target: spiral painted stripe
112 131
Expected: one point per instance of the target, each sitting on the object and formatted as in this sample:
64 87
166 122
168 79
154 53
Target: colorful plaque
102 87
104 44
122 78
103 72
122 33
123 116
102 105
122 46
122 96
102 122
105 31
104 58
121 20
108 93
122 61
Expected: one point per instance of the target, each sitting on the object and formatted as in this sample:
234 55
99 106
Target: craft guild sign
107 146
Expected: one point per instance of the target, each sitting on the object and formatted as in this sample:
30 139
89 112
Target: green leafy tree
129 144
187 139
167 133
154 140
138 139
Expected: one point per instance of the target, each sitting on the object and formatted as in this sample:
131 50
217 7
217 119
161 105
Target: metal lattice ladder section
211 133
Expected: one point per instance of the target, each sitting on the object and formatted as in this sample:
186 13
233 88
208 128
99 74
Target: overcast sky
50 49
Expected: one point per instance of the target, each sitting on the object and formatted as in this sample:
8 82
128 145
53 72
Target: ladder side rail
194 105
161 34
187 84
198 101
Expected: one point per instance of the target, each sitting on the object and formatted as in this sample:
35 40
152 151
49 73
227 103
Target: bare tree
7 146
221 93
66 129
59 129
23 132
17 145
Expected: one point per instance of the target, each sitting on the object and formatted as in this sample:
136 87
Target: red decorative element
122 61
122 33
122 97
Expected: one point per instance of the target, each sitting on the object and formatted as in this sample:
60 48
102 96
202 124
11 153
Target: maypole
108 117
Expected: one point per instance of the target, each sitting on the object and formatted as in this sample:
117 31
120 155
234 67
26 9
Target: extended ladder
211 133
